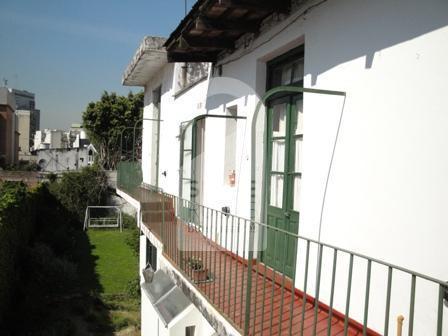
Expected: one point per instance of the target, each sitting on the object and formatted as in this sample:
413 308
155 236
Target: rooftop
6 98
148 59
213 27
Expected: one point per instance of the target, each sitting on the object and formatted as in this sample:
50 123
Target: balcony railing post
162 229
389 289
250 259
316 296
349 289
412 305
180 234
442 290
189 230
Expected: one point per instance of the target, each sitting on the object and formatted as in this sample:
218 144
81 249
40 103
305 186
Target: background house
60 150
65 159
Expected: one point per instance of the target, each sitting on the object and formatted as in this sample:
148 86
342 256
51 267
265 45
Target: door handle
287 214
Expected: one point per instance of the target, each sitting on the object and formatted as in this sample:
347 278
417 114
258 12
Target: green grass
115 263
100 302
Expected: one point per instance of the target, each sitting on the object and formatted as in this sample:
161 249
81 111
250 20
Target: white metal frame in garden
103 222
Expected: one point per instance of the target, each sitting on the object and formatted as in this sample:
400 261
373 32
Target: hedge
39 229
17 211
28 219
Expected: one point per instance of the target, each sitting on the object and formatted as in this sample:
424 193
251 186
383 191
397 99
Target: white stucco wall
151 323
174 110
203 326
387 188
190 317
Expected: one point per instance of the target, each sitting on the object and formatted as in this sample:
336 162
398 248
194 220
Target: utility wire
330 166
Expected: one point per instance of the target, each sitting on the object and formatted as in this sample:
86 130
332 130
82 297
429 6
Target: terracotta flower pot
199 275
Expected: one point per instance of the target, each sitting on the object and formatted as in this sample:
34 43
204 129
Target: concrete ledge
222 326
149 58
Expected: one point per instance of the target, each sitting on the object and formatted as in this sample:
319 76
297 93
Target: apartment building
9 136
292 178
28 121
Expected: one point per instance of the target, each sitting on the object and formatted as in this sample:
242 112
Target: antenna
5 82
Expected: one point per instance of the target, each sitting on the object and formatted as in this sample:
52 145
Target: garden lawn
115 263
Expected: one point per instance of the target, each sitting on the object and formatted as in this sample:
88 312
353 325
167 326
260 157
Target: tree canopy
106 120
77 190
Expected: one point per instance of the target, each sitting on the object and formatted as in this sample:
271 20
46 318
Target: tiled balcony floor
275 309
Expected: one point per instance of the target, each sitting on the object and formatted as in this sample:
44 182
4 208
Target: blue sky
69 52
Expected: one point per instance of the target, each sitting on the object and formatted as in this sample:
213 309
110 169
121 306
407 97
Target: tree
105 121
77 190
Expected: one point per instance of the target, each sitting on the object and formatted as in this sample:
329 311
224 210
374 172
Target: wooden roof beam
204 23
205 43
280 6
192 57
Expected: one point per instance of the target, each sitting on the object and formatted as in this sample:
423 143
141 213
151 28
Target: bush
60 327
132 235
40 231
36 235
77 190
129 222
23 166
120 322
55 225
48 273
16 213
52 177
133 288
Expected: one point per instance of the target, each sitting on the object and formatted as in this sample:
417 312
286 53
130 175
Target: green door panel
283 177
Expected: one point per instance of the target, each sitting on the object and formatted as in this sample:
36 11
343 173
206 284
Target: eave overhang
149 58
213 27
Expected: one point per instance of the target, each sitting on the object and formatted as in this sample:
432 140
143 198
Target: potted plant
199 271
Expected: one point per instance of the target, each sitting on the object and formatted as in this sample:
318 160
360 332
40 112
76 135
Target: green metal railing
129 176
331 289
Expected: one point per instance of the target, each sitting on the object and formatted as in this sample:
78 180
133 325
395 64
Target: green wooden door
189 179
283 180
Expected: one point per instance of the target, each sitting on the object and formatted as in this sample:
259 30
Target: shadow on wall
166 81
215 101
341 31
337 32
224 90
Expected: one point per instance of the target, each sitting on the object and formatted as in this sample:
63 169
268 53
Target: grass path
110 264
116 264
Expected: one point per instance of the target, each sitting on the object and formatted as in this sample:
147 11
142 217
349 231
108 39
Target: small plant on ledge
195 263
199 271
